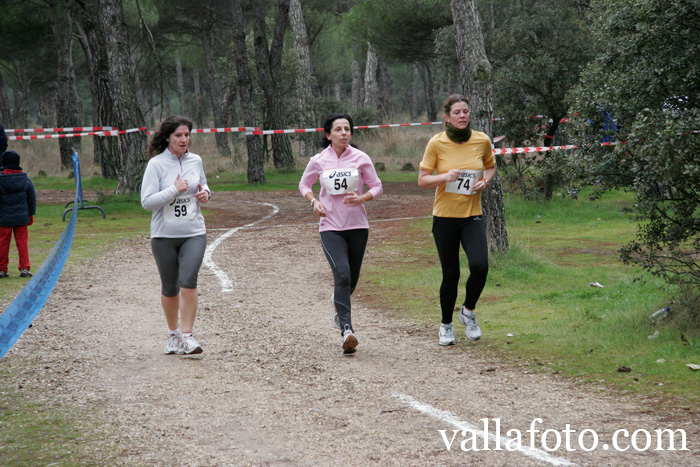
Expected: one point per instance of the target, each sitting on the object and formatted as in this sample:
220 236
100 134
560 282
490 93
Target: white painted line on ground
226 283
452 419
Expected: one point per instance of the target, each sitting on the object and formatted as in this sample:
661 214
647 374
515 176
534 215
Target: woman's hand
181 184
319 210
452 175
202 195
354 200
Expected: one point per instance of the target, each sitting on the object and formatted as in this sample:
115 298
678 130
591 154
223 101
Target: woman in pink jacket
343 170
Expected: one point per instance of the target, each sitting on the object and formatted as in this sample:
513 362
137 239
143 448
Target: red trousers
21 239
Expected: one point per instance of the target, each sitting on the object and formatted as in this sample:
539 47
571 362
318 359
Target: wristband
313 200
485 181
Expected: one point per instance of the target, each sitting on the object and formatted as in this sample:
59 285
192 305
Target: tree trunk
125 109
199 114
430 106
550 179
21 98
356 85
269 66
180 87
475 73
67 100
371 88
217 105
304 78
106 148
414 78
5 115
384 89
256 157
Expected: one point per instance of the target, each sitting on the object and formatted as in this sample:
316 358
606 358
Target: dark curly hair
167 127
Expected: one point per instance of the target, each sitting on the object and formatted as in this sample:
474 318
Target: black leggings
449 232
345 250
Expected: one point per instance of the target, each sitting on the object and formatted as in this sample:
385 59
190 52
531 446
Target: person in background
344 229
174 187
459 163
17 210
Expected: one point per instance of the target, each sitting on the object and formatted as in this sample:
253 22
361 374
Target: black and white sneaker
25 273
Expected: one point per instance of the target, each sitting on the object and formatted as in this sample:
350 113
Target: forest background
618 79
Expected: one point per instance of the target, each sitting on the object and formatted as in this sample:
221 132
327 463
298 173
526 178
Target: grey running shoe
189 345
24 273
3 274
336 319
471 328
447 334
173 344
349 341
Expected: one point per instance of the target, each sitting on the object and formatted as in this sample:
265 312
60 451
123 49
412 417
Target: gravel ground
272 387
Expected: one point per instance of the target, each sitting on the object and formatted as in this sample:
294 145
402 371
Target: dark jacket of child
17 195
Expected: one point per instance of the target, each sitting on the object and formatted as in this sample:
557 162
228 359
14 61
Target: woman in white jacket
174 187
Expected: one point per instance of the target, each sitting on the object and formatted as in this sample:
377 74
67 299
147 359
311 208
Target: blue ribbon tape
27 305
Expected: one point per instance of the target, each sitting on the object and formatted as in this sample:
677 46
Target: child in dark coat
17 209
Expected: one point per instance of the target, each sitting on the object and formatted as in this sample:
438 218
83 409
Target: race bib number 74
341 181
182 208
465 183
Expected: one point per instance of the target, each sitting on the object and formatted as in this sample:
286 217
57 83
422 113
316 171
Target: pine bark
107 154
304 78
125 109
269 66
371 88
180 86
67 99
256 159
475 74
4 104
356 85
428 88
217 104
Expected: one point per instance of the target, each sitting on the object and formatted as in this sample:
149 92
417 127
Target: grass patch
538 306
44 434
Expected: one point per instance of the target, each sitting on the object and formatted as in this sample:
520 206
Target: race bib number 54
464 185
182 208
341 181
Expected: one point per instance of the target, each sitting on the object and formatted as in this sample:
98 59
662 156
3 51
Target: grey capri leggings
178 261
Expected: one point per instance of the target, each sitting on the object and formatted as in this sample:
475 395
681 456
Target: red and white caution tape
531 149
225 130
64 130
315 130
75 135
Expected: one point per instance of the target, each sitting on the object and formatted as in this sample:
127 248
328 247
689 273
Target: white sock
173 332
186 334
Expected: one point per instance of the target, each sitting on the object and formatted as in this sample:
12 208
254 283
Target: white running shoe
349 341
336 319
447 334
173 344
189 345
471 328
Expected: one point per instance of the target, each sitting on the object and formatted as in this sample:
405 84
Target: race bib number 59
341 181
464 185
182 208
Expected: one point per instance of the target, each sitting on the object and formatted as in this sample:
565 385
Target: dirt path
272 387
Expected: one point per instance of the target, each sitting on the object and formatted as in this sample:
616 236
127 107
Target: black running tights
448 233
